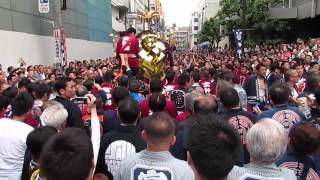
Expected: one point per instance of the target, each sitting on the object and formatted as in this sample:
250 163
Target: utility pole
57 14
58 24
244 12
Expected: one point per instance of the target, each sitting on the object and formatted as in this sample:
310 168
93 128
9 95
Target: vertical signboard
60 48
238 36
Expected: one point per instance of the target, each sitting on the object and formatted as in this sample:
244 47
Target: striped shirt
261 172
153 165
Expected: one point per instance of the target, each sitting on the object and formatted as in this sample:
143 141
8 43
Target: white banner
57 40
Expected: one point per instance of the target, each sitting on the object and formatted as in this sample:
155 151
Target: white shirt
13 135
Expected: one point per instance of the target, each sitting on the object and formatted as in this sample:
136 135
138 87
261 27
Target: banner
60 48
238 36
57 43
63 48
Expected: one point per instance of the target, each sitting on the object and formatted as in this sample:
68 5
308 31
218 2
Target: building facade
295 9
26 33
300 14
194 29
207 10
181 36
155 5
129 13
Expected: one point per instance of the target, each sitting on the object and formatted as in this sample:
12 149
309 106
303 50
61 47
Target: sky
179 11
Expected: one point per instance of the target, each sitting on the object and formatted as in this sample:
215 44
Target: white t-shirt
13 135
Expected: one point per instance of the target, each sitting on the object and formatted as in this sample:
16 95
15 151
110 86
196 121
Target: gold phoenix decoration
151 55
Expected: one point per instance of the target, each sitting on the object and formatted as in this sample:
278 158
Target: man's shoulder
247 173
246 114
180 164
12 123
9 125
267 114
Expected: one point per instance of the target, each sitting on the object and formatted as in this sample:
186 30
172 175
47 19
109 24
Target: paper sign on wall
44 6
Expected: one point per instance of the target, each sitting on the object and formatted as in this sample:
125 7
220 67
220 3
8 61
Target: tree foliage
210 32
251 15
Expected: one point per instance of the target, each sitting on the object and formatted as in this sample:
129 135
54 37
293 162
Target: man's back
13 135
156 165
259 172
284 114
117 144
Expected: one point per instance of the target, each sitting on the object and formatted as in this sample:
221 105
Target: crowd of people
213 117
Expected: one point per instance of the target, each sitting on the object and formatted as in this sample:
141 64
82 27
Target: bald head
205 104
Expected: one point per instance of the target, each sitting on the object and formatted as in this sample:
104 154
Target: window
196 28
196 19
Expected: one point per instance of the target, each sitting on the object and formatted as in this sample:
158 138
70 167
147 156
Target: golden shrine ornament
151 55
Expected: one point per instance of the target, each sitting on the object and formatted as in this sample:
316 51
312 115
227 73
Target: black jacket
74 113
117 142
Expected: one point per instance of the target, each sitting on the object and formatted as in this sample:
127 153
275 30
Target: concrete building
26 33
155 5
182 38
295 9
194 29
300 14
126 13
208 9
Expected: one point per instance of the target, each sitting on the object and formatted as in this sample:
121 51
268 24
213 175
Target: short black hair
129 110
4 102
88 84
230 76
21 104
131 30
61 83
24 82
170 75
66 151
156 85
37 138
258 66
40 89
123 81
157 102
279 93
304 138
274 66
230 66
99 80
159 126
312 81
298 64
215 158
229 97
108 76
119 93
184 78
196 75
134 86
10 92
